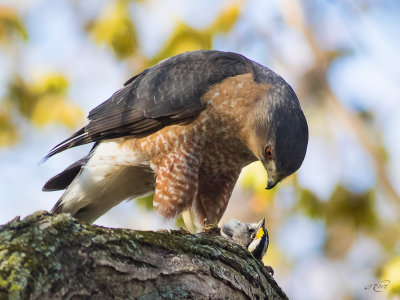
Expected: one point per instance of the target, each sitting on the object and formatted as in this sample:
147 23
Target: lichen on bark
54 256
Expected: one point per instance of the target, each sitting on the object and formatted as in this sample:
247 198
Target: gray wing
167 93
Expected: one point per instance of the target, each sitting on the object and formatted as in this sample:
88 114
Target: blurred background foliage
114 27
328 241
11 26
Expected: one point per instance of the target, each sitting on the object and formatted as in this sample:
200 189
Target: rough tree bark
52 257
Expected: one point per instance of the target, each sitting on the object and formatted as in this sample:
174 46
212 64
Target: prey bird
253 236
183 129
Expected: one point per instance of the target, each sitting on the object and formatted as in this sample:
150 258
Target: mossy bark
54 256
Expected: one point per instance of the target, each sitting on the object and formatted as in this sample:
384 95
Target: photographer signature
378 287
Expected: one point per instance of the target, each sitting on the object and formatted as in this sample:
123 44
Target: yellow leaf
20 94
10 25
226 19
25 96
8 131
51 84
54 109
186 38
355 208
115 28
391 271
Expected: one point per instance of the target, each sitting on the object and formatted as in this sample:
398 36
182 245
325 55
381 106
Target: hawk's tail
78 138
62 180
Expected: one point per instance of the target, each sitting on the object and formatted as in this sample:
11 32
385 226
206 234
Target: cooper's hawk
184 128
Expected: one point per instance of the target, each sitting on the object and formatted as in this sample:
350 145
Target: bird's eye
253 235
268 152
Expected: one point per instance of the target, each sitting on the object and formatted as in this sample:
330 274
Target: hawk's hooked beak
272 181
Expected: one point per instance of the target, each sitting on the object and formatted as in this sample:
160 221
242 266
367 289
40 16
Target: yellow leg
187 219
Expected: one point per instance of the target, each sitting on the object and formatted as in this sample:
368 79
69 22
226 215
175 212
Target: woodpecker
253 236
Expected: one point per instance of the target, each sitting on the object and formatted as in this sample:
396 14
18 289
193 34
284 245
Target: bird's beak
261 224
260 229
272 181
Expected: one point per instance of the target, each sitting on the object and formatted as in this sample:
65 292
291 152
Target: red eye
268 152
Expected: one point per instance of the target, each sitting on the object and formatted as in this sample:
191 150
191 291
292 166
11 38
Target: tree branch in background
293 14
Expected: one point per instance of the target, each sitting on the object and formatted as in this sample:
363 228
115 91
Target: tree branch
47 257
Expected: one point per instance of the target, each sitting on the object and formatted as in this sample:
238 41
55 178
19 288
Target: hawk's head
280 133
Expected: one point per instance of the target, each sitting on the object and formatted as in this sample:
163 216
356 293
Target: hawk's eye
268 152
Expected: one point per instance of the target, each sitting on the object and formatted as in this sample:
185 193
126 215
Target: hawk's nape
184 129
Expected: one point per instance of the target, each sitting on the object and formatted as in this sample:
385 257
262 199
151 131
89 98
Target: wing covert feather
167 93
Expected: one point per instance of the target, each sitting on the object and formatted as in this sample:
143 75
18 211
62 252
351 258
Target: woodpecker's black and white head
253 236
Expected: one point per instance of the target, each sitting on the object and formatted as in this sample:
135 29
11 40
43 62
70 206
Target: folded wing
167 93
